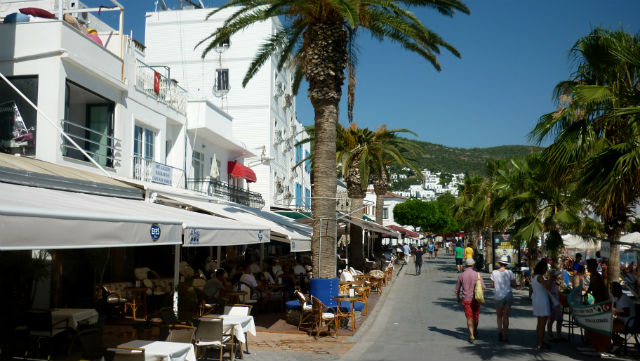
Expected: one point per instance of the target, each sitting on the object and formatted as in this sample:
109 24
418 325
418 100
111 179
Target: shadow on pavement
487 346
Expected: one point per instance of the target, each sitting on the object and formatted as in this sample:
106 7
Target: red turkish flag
156 82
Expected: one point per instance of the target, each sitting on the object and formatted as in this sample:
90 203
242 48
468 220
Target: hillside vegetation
460 160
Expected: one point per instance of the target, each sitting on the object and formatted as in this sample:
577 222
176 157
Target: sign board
161 173
502 246
605 249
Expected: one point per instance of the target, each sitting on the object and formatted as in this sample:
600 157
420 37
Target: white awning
368 225
282 228
39 218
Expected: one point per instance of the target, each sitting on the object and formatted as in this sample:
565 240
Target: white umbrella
631 238
214 168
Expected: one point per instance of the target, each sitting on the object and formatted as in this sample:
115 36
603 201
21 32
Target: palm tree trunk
356 256
612 229
324 63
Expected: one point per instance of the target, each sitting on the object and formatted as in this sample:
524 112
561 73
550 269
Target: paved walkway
421 320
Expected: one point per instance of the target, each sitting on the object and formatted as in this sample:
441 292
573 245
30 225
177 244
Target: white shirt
249 279
406 250
622 303
502 281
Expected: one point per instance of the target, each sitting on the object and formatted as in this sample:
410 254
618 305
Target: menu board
502 246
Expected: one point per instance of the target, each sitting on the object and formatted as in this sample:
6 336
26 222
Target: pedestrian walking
459 253
430 249
540 300
435 250
502 280
468 252
419 259
465 293
407 252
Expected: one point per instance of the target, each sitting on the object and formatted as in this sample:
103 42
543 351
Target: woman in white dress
540 300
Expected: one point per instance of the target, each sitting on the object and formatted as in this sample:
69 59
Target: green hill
461 160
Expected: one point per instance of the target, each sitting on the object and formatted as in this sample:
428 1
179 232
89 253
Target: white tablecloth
74 316
164 351
240 325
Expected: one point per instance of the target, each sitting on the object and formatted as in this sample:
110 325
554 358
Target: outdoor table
239 325
352 300
163 350
74 316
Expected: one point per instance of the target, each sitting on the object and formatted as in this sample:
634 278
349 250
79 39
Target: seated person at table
215 287
623 308
255 268
249 279
239 272
287 279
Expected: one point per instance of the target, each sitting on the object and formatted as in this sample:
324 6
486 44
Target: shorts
504 302
471 309
459 261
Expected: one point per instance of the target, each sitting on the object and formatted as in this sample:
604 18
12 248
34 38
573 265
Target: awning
39 218
283 229
405 232
366 225
238 170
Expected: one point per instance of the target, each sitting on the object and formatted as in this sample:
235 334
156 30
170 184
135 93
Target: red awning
405 232
238 170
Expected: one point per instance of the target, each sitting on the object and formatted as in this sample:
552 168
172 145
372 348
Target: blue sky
513 53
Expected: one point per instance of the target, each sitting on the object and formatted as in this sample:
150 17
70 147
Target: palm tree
595 129
364 155
318 36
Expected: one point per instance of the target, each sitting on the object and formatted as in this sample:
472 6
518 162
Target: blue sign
194 237
259 235
155 232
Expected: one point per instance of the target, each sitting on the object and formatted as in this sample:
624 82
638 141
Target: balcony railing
149 171
225 191
169 92
105 149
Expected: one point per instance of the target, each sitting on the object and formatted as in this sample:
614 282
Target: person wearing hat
465 288
502 280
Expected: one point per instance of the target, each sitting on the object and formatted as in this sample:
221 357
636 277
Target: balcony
225 191
147 170
101 146
160 87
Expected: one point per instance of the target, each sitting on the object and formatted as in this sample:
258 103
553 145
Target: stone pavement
418 318
421 320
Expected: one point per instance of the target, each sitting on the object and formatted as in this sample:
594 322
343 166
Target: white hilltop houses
262 114
431 189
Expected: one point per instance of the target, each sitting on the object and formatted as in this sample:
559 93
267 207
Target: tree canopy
430 217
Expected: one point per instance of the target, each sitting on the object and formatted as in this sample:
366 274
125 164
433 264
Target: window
143 141
167 149
222 80
298 195
385 213
298 154
197 162
307 162
307 198
89 121
17 117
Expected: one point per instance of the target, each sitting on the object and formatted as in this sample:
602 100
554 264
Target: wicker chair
305 310
322 320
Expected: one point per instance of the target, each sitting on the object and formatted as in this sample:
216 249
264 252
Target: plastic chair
181 333
238 310
209 334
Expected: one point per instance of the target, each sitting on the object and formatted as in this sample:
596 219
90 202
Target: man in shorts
465 294
430 249
459 252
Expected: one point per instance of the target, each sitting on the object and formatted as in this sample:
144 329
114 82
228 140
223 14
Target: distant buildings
432 188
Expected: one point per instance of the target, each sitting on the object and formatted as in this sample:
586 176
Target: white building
390 201
132 118
264 116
